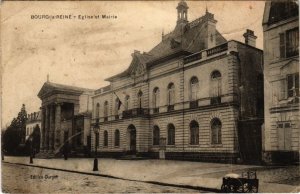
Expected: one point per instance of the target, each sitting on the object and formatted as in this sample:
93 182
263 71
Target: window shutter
297 84
290 86
282 45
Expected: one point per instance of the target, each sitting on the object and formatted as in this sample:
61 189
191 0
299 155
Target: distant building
194 96
33 120
65 119
281 82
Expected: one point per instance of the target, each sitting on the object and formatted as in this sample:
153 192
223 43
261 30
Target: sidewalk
192 174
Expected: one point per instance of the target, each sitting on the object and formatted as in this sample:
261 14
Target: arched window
171 134
216 133
127 98
194 133
117 137
156 135
105 135
97 110
140 99
194 85
156 97
216 83
105 110
117 101
171 94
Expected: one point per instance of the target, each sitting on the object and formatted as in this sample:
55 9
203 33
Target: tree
14 135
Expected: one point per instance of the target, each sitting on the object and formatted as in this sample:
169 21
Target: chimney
250 38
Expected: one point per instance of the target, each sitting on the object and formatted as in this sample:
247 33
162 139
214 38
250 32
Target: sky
84 52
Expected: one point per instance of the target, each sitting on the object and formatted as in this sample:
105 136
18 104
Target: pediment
46 89
290 67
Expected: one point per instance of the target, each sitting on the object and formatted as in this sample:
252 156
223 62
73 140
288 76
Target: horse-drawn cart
246 183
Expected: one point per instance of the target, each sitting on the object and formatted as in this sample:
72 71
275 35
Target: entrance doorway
132 139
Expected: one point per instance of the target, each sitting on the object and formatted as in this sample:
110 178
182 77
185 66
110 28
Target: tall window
284 135
194 85
293 85
156 97
289 43
117 138
156 135
216 133
194 133
105 135
216 84
171 94
97 110
140 96
105 109
171 134
117 101
127 98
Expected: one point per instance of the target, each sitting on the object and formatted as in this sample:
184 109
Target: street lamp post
96 159
31 160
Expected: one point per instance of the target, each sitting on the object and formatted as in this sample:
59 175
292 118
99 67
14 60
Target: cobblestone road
24 179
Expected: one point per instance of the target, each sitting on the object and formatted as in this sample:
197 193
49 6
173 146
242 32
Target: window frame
171 134
171 94
194 133
194 86
117 138
105 138
285 38
216 130
156 135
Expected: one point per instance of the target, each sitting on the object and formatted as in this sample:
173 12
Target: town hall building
194 96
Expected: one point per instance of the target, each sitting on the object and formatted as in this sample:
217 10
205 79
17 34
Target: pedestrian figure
31 161
66 150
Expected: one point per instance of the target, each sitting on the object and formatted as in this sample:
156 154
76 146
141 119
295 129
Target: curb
114 177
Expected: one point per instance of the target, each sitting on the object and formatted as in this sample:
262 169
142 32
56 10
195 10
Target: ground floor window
194 133
171 134
284 136
117 138
216 133
155 135
105 135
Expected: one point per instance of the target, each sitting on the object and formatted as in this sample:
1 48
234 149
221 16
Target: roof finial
162 34
48 77
206 10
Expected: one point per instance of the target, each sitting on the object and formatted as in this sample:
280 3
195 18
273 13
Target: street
25 179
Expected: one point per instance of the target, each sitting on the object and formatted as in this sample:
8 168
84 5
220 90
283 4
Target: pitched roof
189 37
49 86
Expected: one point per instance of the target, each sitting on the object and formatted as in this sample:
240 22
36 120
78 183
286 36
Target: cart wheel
252 189
224 188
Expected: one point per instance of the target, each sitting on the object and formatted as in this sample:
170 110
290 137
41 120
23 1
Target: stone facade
281 82
65 119
187 98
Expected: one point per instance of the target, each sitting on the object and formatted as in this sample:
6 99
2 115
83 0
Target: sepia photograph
175 96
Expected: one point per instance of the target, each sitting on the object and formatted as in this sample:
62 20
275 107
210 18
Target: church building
65 119
194 96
